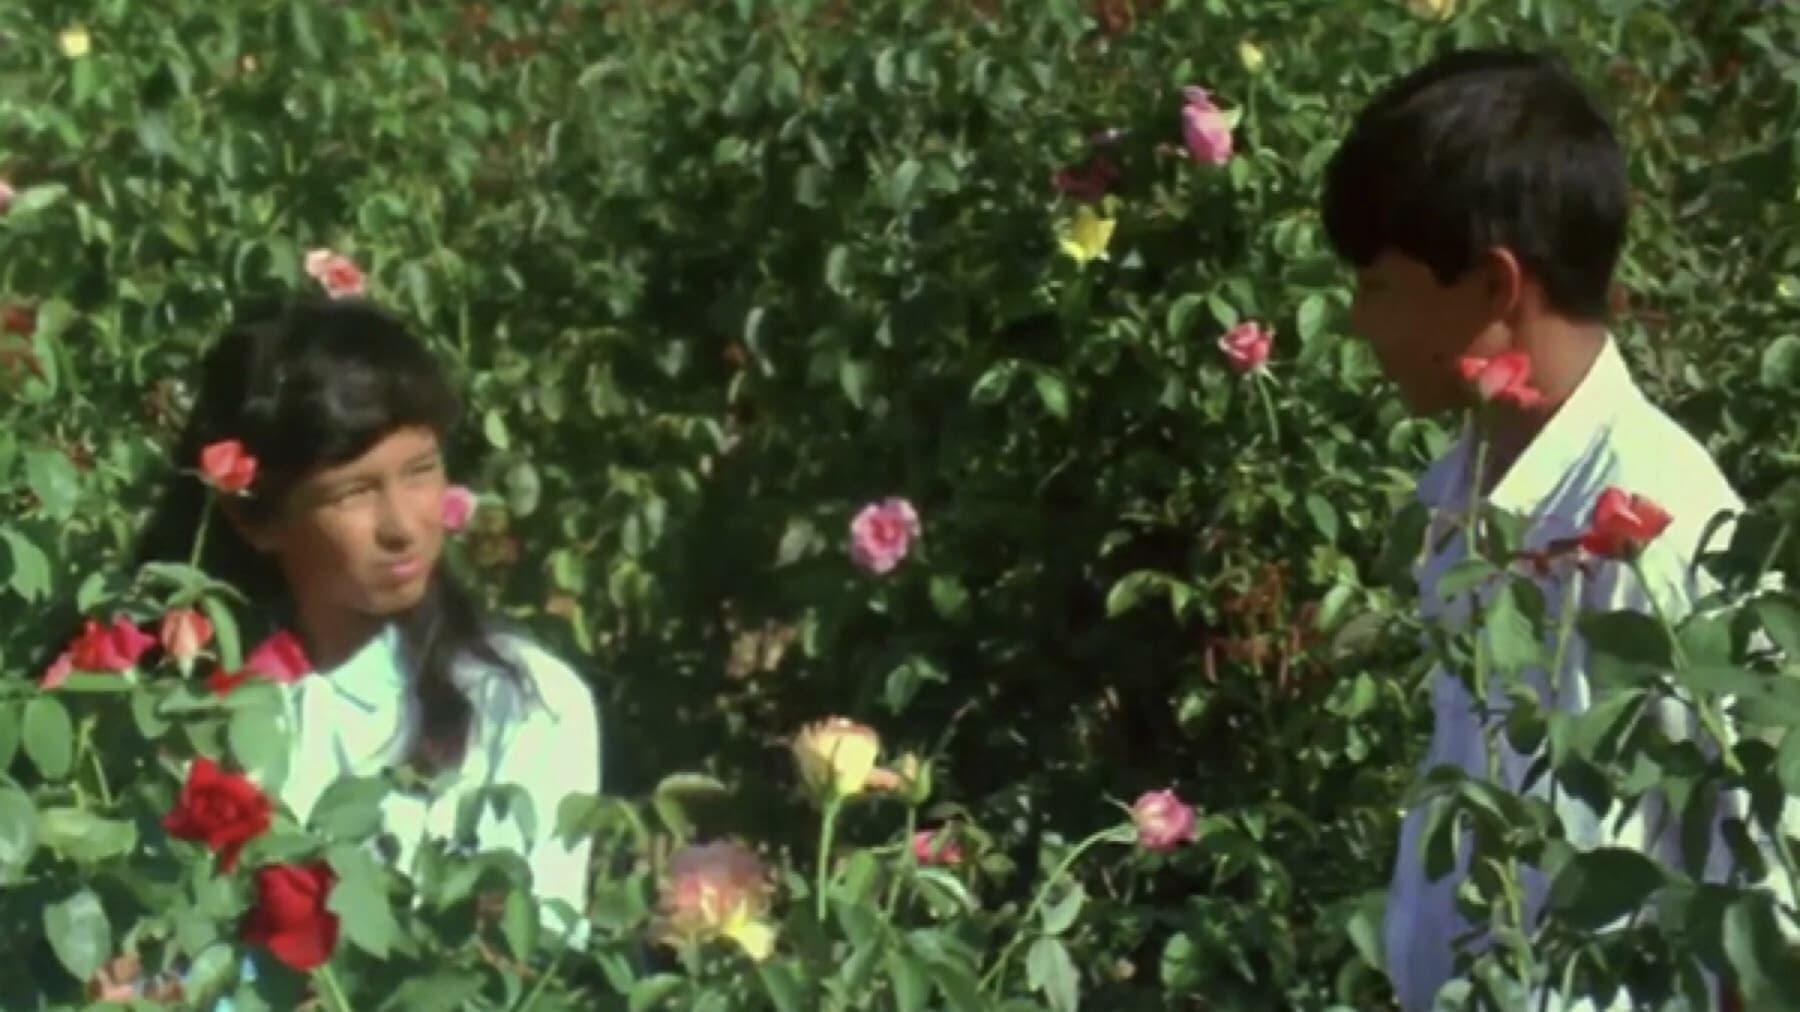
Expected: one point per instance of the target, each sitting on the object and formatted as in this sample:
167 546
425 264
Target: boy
1482 201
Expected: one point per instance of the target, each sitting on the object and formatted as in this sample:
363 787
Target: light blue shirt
1606 434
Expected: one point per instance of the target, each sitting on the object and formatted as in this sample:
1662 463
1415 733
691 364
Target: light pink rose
459 508
1247 346
936 847
185 632
1163 821
7 193
338 274
882 534
1205 128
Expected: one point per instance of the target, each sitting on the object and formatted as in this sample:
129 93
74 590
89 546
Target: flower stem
328 982
995 974
827 827
1710 718
910 859
549 974
1258 379
85 746
206 512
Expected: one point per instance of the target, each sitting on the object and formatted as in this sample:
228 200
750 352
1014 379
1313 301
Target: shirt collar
1567 437
373 677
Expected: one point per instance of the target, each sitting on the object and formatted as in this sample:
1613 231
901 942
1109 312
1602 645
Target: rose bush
718 276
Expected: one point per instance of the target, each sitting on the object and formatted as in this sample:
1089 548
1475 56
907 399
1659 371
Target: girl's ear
257 536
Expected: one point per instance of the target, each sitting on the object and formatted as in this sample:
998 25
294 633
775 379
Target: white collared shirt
1605 434
542 736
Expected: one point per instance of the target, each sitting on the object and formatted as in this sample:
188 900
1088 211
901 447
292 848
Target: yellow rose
836 756
1251 56
1087 237
75 42
717 890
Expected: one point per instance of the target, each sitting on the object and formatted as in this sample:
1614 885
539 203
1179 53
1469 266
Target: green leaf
1599 887
1049 969
1512 639
1053 392
1060 915
1781 364
9 734
444 991
650 993
784 987
225 632
79 934
1464 576
30 577
949 598
18 832
259 741
519 924
493 426
84 837
1780 617
1131 589
360 900
1324 517
1312 317
905 680
1767 973
912 989
54 481
901 183
35 200
350 809
49 737
1180 964
1404 545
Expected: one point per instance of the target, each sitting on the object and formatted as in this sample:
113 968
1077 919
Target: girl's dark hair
312 385
1484 148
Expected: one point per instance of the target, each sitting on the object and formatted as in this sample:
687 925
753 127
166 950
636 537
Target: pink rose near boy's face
1419 328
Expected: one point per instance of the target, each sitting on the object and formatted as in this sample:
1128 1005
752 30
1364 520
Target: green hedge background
714 275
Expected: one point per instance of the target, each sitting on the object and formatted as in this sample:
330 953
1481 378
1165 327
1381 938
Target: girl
338 540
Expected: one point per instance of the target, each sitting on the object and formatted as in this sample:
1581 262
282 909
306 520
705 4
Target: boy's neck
1562 351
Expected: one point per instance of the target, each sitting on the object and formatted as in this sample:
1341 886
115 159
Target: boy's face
1418 328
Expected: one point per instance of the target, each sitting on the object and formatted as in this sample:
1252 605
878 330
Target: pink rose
936 847
7 193
717 890
459 508
1205 128
1247 345
338 274
279 658
185 632
1506 378
99 648
1163 821
882 534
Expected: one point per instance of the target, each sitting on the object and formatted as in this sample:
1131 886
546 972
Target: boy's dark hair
1485 148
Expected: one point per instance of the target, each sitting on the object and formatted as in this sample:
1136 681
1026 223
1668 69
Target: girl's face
358 541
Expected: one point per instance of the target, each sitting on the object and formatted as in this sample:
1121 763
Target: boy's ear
1505 282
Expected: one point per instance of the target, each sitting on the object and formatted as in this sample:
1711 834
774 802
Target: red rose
101 648
222 810
1623 525
280 658
221 682
227 466
1506 377
290 919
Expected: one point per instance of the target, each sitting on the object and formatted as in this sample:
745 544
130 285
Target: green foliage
712 277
